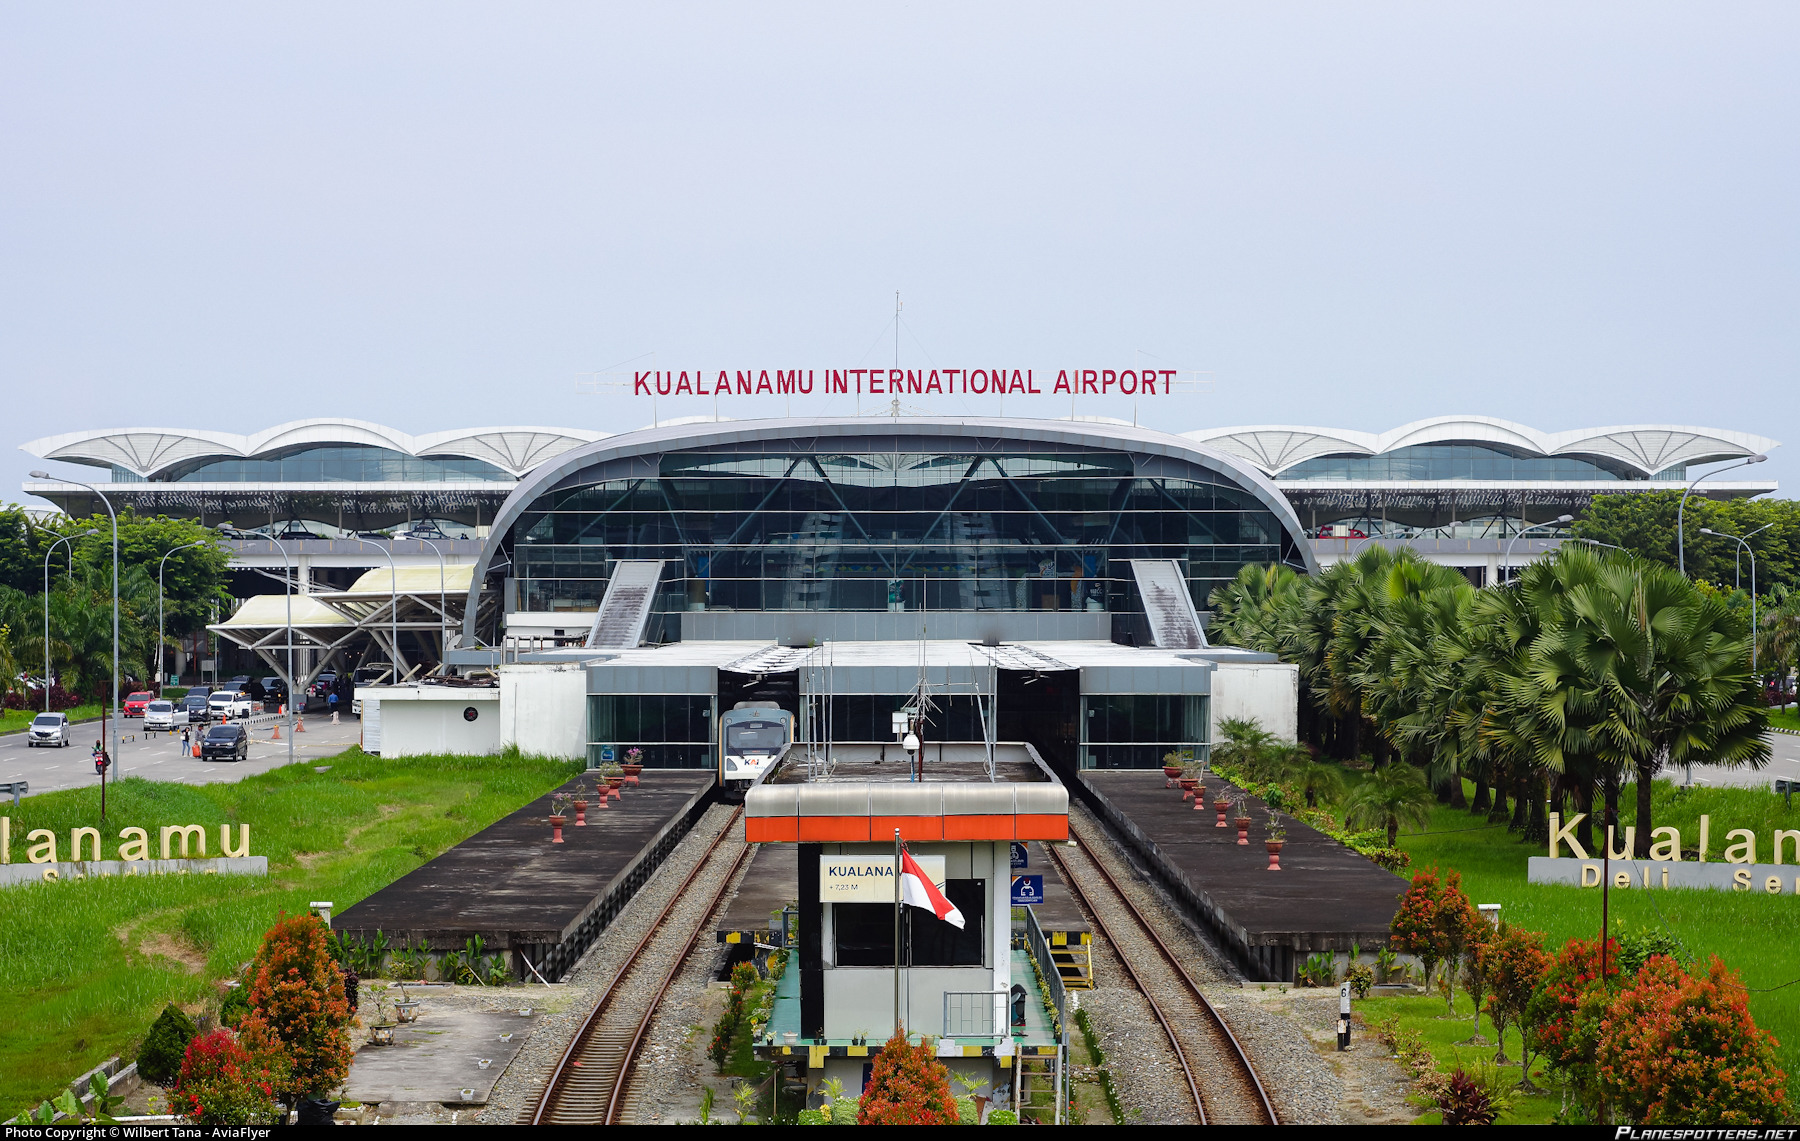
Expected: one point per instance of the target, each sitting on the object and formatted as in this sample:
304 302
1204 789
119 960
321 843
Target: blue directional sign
1021 854
606 754
1027 890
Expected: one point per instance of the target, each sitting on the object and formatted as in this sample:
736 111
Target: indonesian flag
917 890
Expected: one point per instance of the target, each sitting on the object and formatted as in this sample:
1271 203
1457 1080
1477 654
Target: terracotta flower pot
1243 827
1223 808
1171 773
632 770
1274 847
556 827
1187 787
581 814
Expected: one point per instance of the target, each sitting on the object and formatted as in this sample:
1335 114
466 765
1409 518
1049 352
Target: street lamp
443 613
1752 553
1595 542
393 607
1737 562
65 539
159 609
1506 564
1681 512
119 767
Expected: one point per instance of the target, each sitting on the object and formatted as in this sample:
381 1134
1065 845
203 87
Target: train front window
754 737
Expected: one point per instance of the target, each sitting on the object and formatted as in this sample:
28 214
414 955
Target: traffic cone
299 727
277 735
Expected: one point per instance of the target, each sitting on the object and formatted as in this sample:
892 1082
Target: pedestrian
184 739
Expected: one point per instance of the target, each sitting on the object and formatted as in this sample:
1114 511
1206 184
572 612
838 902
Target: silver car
48 729
162 715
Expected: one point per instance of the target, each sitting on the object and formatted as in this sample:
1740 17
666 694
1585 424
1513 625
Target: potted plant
407 1008
559 806
581 804
1276 836
1223 804
634 763
381 1031
614 776
1243 824
1172 769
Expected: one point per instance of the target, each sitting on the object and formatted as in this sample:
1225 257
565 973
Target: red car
135 702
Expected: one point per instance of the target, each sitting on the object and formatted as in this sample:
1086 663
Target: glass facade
1135 730
1433 462
675 731
1031 528
339 463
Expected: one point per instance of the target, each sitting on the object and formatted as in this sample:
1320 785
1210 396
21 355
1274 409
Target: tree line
80 597
1592 669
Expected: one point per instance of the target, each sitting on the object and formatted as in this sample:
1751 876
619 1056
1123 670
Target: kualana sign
1736 870
867 879
905 382
182 849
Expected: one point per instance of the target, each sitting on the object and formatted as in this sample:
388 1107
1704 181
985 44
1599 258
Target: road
159 757
1784 762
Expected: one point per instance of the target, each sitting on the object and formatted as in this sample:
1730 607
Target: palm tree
1241 738
1393 795
1320 782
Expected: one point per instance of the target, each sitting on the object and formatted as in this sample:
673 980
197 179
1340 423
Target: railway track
1216 1072
591 1083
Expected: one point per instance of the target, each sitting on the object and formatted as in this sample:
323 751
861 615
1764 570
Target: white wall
1269 693
421 728
543 709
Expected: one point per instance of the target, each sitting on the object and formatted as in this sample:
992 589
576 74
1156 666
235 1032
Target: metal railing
974 1013
1040 950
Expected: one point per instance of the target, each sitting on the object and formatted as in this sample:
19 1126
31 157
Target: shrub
844 1111
1361 978
1464 1102
298 1010
159 1058
813 1117
1414 927
221 1083
1512 963
235 1006
1682 1050
1003 1117
1455 924
1562 1020
966 1113
1636 950
907 1086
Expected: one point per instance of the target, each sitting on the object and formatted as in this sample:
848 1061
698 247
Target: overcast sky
442 215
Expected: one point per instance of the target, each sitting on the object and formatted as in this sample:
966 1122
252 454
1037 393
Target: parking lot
158 756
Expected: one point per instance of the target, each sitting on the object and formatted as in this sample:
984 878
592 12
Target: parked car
161 714
48 729
274 689
228 703
194 704
135 702
321 686
225 743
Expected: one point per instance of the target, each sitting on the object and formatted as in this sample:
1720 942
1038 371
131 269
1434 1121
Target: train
753 737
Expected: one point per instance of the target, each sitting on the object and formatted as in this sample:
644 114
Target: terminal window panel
675 731
1136 730
869 717
943 532
863 933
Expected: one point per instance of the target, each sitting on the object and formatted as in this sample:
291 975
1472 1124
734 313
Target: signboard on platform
867 879
1021 855
1027 890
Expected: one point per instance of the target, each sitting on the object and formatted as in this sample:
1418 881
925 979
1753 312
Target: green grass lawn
16 720
1752 932
85 966
1785 719
1447 1038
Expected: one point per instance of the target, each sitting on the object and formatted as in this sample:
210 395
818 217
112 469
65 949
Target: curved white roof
147 451
1647 448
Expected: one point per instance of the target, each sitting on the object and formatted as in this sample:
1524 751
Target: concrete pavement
158 756
1784 762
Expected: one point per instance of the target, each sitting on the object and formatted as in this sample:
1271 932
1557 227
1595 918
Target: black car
274 689
195 705
225 743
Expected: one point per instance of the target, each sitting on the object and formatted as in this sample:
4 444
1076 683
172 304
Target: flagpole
896 931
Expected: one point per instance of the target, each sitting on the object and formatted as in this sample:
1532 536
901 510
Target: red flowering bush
1513 964
1456 928
907 1086
1564 1015
1414 929
1677 1049
221 1083
298 1010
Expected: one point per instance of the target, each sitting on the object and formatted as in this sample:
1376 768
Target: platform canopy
844 812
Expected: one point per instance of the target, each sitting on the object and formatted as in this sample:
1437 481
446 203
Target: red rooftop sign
903 382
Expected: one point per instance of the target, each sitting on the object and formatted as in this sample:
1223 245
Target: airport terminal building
1027 580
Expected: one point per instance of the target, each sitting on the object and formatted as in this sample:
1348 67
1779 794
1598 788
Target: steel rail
1237 1049
552 1098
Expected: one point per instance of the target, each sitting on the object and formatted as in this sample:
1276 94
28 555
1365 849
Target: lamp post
443 612
1752 553
1595 542
159 609
118 762
1681 512
393 607
65 539
1506 563
292 585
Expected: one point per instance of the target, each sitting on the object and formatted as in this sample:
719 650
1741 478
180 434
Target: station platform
530 899
1065 927
771 883
1324 898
